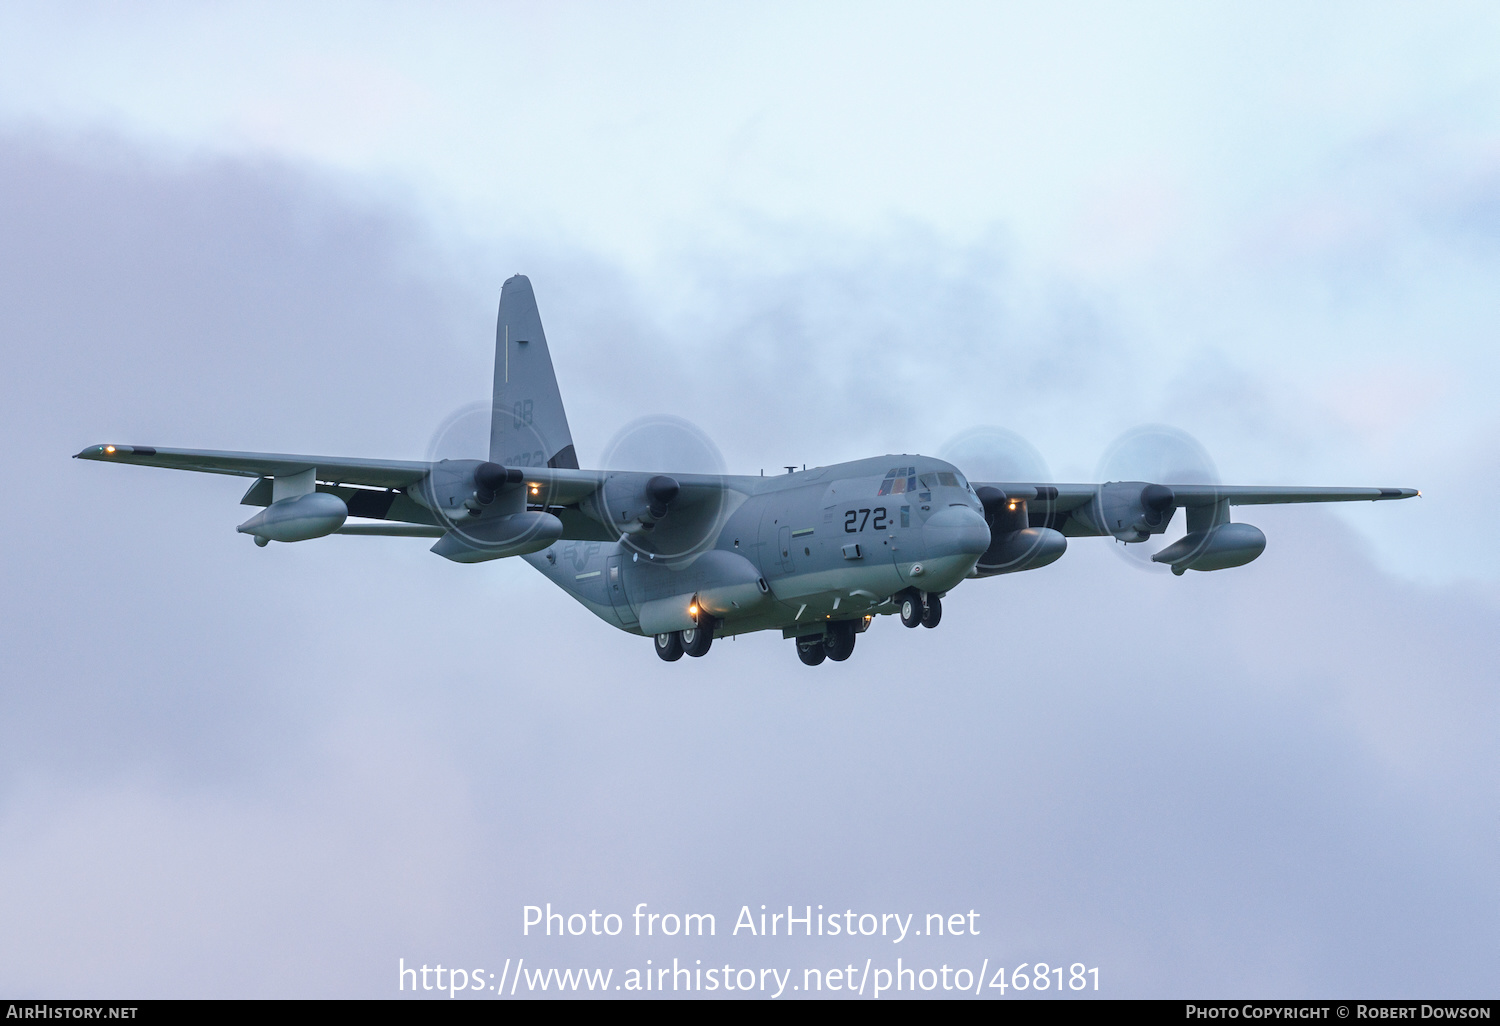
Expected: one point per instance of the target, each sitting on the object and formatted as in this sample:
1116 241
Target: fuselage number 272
855 520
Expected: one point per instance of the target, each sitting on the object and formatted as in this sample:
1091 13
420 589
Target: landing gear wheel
839 641
695 640
911 609
934 614
669 646
812 654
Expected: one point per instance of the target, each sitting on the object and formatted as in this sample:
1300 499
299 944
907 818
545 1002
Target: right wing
378 489
341 469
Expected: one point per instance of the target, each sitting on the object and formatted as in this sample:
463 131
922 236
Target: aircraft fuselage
796 552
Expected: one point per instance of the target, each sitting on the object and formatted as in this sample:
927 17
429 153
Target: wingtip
106 450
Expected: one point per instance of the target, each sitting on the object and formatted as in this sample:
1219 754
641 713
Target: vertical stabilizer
528 427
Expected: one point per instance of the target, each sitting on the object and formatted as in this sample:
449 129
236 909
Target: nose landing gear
919 608
934 612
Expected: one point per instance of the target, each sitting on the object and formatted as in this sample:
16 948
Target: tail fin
528 427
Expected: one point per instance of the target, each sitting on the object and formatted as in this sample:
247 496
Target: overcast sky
818 236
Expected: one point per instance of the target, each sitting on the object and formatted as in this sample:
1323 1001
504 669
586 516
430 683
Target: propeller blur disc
463 435
1156 454
995 454
663 444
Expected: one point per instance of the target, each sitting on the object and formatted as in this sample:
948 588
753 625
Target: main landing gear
811 652
694 641
669 646
919 608
837 643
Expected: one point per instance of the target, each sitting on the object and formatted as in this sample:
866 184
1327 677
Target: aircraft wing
1258 495
1059 498
565 487
557 489
340 469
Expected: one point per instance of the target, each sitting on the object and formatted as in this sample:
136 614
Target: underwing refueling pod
683 557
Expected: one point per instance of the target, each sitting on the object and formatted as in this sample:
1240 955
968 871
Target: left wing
1060 498
1029 522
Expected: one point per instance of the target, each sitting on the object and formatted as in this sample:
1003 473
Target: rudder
528 426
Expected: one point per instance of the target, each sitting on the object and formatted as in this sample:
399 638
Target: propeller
996 454
990 453
656 518
1159 456
464 435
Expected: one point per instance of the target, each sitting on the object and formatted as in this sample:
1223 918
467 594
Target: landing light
1013 507
693 610
534 489
109 448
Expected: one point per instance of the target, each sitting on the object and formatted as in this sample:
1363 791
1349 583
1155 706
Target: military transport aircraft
684 558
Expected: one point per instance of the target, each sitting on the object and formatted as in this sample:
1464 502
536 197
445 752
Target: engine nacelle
1024 549
632 506
298 518
461 489
1133 511
1014 544
497 537
1217 548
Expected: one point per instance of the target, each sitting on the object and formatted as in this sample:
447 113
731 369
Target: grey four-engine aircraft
685 558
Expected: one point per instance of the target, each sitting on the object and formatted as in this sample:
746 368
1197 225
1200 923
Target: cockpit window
899 480
940 479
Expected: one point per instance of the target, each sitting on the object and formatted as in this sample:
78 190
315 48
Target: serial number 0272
1044 977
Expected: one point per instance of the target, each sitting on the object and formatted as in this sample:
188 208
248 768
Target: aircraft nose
956 531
